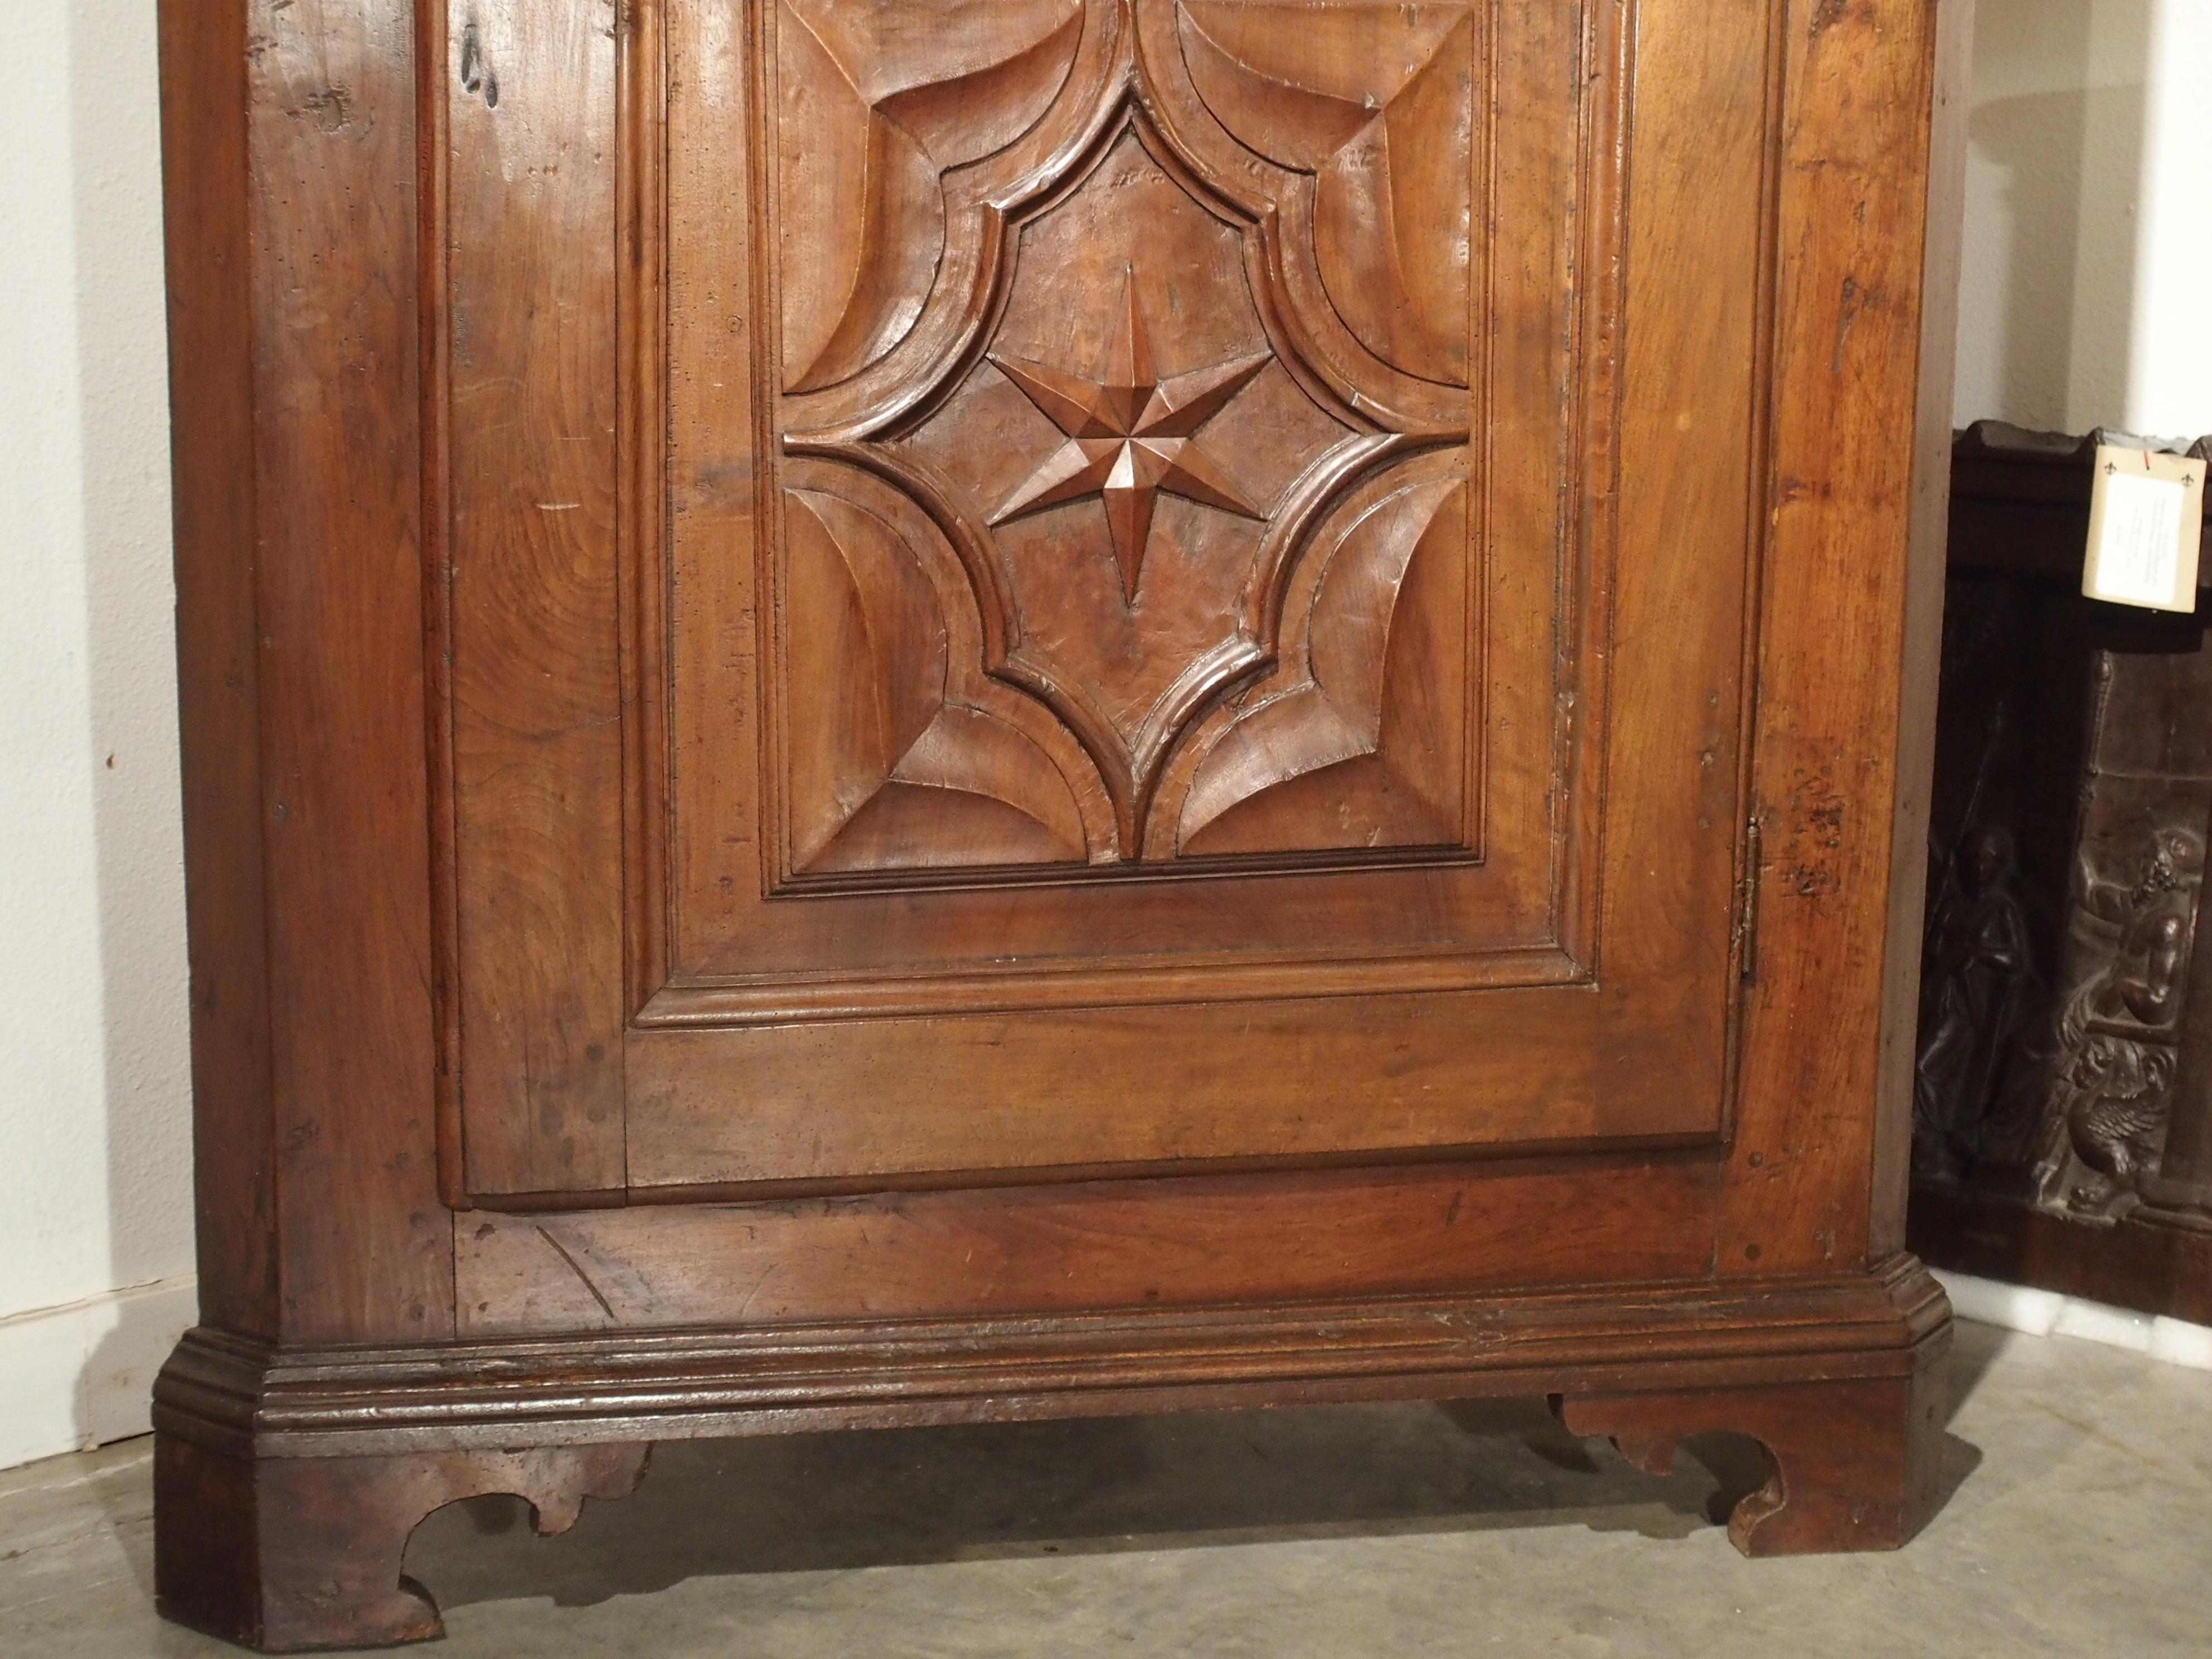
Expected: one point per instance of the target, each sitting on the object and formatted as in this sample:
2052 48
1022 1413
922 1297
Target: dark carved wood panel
2062 1099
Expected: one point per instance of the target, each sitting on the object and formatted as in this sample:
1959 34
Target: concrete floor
2080 1522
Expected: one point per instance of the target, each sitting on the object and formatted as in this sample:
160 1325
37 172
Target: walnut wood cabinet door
1103 683
1088 586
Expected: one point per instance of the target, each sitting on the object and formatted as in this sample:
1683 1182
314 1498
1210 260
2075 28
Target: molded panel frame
585 1155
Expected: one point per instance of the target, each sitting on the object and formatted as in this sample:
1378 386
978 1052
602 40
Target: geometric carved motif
1123 406
1131 434
1377 108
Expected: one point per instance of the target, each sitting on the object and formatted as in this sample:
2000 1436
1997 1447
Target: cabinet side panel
367 1248
211 395
1853 179
1924 613
537 691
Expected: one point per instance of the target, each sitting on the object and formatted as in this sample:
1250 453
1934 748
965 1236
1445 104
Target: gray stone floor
2080 1522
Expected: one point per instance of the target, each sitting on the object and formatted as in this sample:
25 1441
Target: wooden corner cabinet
901 711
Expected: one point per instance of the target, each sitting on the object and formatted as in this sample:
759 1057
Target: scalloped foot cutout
1852 1464
302 1554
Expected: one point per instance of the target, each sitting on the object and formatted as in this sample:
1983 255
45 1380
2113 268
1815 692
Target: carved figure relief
2057 964
1975 982
1124 401
2118 1028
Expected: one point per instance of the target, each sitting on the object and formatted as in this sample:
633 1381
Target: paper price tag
2146 520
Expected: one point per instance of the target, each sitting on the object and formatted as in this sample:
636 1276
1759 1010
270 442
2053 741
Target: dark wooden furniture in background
2064 1107
913 711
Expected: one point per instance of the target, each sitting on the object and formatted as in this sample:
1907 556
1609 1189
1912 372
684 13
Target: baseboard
2047 1312
79 1376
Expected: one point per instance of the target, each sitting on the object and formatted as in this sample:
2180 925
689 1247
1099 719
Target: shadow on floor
909 1497
1974 1349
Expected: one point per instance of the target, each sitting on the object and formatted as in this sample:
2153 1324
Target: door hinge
1746 906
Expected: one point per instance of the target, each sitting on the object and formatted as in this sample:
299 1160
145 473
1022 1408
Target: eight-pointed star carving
1130 435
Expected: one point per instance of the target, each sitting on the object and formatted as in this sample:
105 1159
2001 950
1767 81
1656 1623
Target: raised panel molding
883 725
1155 318
879 100
1355 676
1376 103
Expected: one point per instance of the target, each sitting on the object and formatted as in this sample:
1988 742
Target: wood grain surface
998 710
1118 1243
1850 606
1119 622
290 149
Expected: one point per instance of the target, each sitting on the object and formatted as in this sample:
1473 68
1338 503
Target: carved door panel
1165 582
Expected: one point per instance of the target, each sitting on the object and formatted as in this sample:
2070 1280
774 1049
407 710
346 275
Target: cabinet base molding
290 1477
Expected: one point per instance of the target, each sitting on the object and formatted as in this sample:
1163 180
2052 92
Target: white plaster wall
2169 342
94 1143
2088 284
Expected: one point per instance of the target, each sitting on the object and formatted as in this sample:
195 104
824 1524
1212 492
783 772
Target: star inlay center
1130 433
